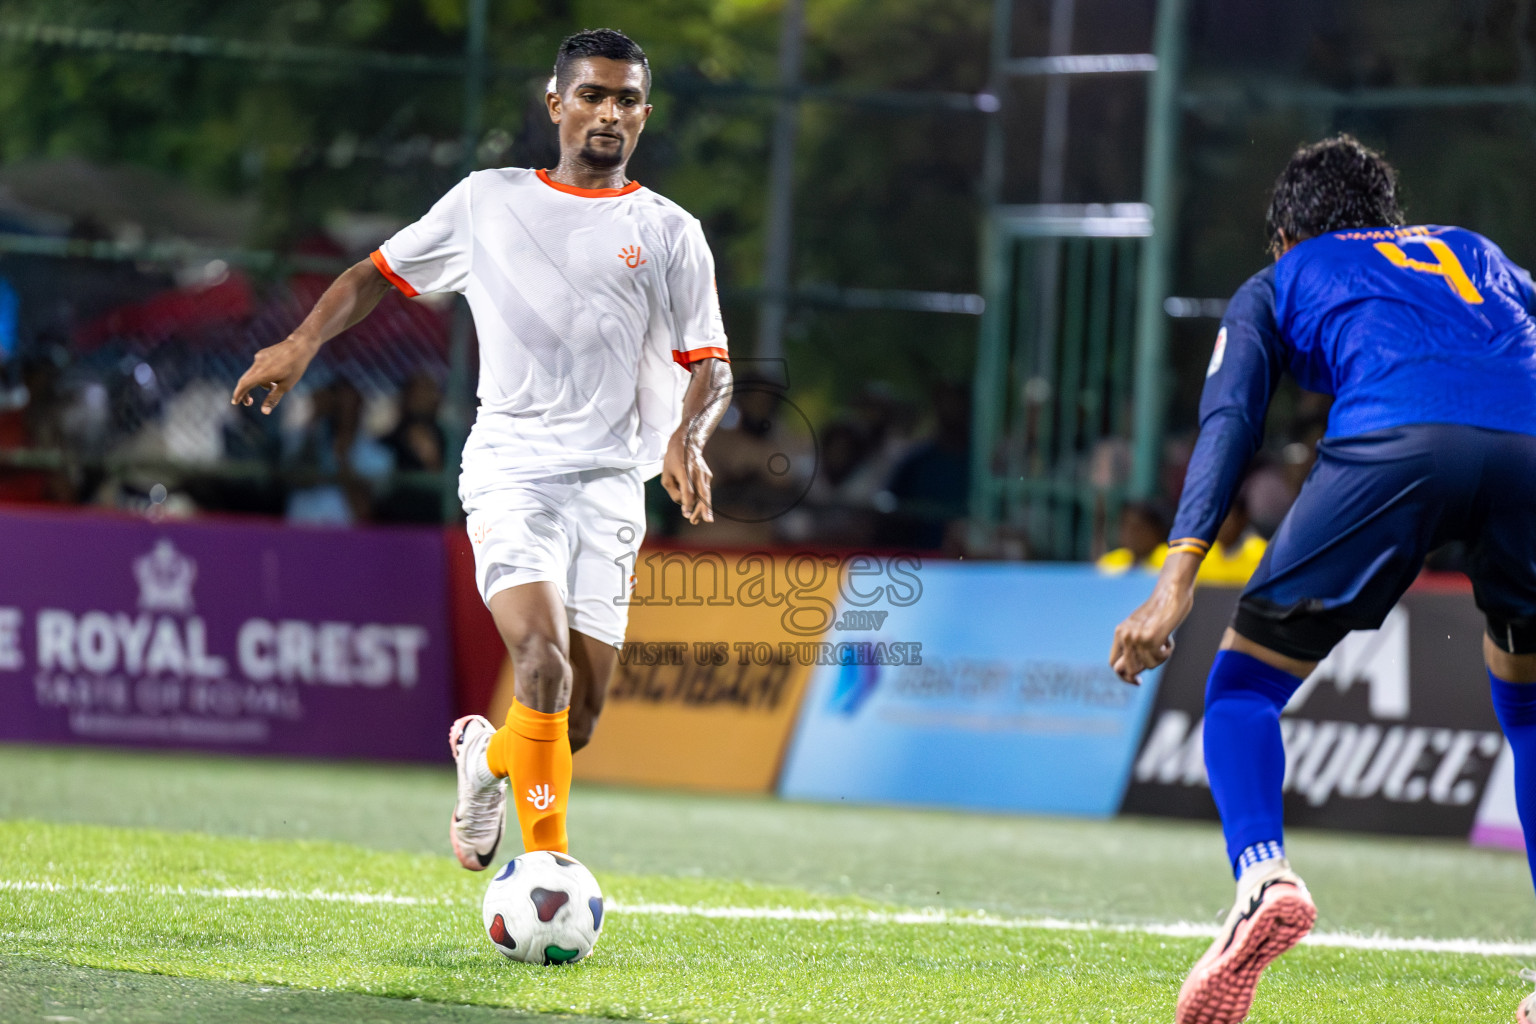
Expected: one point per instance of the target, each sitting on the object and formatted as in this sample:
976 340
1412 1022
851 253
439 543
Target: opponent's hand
688 480
276 368
1145 639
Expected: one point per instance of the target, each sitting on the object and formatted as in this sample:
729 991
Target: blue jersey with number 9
1420 324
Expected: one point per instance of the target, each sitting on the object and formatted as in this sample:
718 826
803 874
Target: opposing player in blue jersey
1425 337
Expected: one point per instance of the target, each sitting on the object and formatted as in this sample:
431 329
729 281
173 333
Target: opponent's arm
683 471
1241 380
278 368
1145 639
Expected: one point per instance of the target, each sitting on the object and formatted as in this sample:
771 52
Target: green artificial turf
130 847
39 990
1126 869
151 901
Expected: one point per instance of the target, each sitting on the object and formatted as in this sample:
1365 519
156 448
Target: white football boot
1273 912
481 810
1525 1013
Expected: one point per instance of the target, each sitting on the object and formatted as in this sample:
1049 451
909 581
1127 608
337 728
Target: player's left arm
1243 374
699 343
684 472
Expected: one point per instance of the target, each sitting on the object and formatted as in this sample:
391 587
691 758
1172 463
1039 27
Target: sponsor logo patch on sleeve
1218 354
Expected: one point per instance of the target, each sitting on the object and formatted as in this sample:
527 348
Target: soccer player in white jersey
603 360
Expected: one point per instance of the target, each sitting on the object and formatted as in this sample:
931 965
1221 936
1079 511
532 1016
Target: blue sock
1515 704
1243 753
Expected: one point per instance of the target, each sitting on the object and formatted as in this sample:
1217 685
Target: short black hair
1331 185
598 42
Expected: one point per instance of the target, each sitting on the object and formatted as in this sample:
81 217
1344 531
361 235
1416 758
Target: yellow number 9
1446 265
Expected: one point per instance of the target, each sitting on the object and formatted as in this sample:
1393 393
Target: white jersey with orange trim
589 305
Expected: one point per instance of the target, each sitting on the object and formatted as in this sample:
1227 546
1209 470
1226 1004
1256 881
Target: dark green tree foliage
886 196
303 136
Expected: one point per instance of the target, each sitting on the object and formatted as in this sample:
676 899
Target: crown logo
165 579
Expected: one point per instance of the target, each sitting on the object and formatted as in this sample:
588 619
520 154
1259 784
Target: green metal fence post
778 244
988 398
1163 113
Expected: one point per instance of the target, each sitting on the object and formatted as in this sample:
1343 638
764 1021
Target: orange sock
533 751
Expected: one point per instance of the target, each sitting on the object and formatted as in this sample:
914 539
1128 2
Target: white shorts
579 531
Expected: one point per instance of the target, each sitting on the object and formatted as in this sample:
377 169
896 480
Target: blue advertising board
989 689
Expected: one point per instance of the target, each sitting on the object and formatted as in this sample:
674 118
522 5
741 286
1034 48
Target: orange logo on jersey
631 256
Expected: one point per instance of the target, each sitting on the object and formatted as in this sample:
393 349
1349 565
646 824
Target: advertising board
237 637
989 689
1393 732
1498 820
714 663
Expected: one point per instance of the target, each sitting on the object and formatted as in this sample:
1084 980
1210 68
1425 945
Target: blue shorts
1372 508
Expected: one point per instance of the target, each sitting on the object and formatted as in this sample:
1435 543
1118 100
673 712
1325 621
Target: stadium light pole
1163 114
774 308
458 390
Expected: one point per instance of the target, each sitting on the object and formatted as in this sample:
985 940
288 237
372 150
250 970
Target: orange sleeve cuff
377 256
691 356
538 725
1193 545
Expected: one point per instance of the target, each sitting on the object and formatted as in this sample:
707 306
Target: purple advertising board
232 636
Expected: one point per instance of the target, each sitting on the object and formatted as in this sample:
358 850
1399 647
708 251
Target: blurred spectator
417 440
844 448
761 468
1178 448
838 509
886 423
1237 550
1268 494
186 427
1143 539
10 306
32 422
417 444
1109 470
17 483
1300 454
930 488
335 464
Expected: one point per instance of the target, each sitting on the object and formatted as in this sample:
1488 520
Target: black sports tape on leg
1513 636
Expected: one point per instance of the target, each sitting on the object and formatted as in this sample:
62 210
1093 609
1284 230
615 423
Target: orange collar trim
589 193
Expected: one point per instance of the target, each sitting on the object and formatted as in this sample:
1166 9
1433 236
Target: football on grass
543 908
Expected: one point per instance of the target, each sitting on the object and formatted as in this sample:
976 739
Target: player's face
602 112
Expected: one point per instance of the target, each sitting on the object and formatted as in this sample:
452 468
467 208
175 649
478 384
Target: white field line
313 895
1175 929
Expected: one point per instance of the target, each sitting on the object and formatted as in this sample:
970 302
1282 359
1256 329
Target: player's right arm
431 255
1244 372
278 368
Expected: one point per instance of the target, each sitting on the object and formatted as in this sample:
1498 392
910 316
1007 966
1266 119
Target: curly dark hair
598 42
1331 185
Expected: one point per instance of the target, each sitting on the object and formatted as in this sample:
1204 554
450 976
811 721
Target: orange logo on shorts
631 256
480 532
